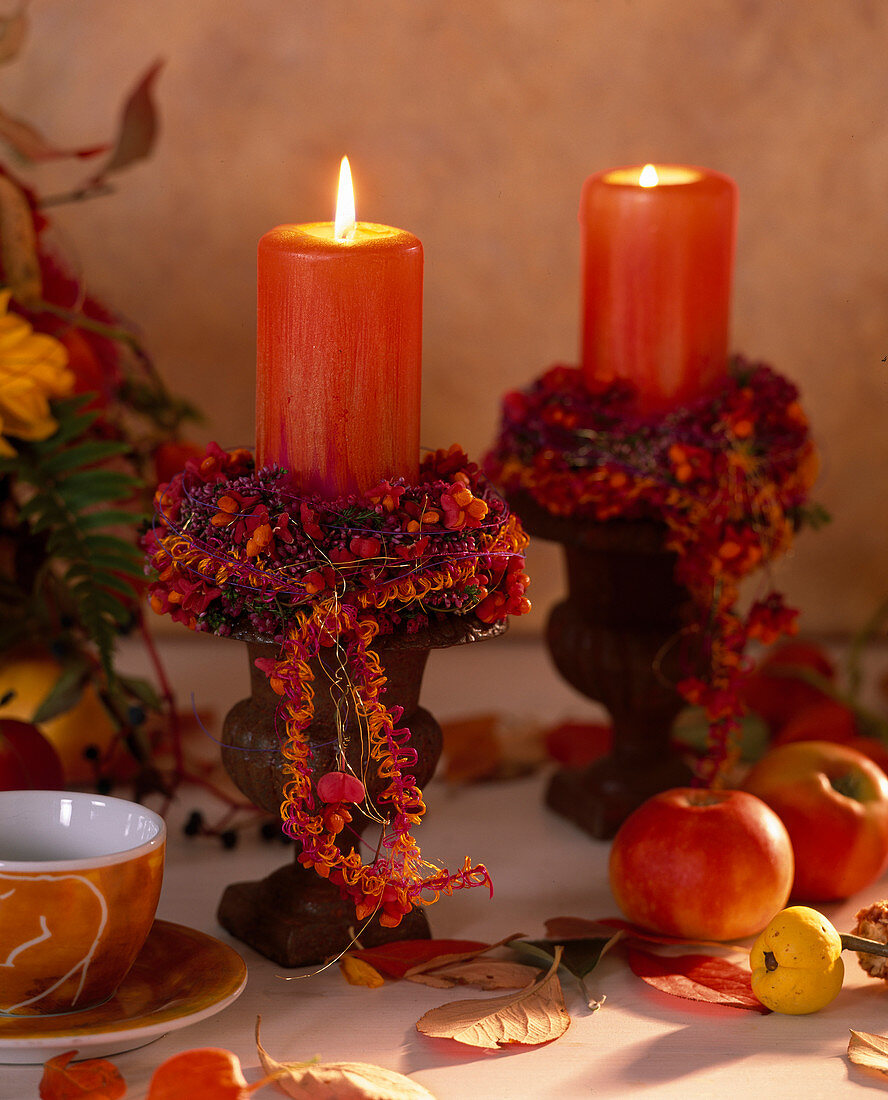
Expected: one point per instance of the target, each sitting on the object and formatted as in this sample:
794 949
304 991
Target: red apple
702 865
28 761
833 801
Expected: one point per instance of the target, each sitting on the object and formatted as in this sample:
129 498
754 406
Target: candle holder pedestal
294 916
610 640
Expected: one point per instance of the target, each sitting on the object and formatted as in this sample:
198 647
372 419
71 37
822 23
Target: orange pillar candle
339 352
658 255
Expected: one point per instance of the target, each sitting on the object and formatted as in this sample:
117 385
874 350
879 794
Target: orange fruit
31 678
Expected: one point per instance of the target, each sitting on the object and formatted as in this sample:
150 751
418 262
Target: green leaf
113 545
111 517
116 563
73 422
98 486
84 454
580 957
65 693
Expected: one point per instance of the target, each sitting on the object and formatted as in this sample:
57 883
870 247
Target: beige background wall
473 123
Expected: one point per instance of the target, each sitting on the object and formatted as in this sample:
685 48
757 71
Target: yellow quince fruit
797 962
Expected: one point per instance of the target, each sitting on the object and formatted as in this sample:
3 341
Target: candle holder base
294 916
610 639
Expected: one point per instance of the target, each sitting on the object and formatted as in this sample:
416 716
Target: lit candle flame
344 224
648 177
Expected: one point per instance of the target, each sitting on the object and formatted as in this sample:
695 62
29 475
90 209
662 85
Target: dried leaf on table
535 1015
207 1073
696 978
869 1051
396 958
94 1079
358 972
338 1080
483 973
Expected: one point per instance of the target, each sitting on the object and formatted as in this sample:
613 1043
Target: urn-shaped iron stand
294 916
615 638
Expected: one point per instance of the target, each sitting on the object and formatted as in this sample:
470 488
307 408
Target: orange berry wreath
239 550
728 475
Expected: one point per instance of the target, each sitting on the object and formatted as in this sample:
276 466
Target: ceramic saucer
180 976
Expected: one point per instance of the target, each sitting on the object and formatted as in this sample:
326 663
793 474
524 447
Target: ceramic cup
80 877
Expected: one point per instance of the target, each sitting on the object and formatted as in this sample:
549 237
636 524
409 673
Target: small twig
868 947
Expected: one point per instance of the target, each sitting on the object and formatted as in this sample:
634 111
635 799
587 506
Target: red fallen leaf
94 1079
395 959
578 928
207 1073
696 978
574 744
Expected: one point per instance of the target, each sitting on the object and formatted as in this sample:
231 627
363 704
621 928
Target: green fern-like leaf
74 503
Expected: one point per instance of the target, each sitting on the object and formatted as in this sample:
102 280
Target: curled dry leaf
483 973
697 978
358 972
207 1073
94 1079
338 1080
535 1015
869 1051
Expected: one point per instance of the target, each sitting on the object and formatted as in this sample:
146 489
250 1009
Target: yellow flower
33 369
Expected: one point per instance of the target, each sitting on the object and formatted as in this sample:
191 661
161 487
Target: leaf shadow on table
713 1039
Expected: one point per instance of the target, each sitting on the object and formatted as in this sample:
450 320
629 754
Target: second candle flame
344 223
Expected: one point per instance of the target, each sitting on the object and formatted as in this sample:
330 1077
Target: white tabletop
641 1042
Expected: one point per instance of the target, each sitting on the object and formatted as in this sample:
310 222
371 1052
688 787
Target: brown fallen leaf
533 1016
483 973
94 1078
338 1080
869 1051
358 972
